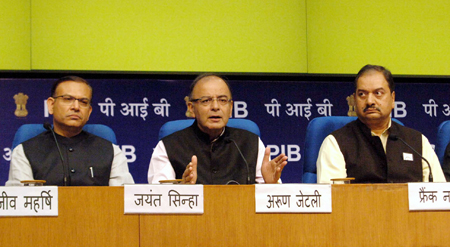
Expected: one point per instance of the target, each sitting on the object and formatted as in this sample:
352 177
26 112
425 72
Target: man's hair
69 78
386 73
191 88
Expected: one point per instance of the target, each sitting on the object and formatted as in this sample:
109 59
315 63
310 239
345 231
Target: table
363 215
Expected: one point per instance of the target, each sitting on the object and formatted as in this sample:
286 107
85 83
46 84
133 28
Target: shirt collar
386 131
205 137
221 134
384 136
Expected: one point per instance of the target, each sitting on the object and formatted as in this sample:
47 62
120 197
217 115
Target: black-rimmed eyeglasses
207 100
69 100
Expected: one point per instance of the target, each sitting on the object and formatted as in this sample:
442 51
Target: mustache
371 107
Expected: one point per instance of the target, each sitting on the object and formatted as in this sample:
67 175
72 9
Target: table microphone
228 140
395 137
48 126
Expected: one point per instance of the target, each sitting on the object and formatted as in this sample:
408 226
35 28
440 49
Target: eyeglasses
207 100
69 100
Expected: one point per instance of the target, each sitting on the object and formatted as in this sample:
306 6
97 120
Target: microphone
48 126
395 138
228 140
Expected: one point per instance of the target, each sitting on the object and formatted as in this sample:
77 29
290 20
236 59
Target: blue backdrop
282 109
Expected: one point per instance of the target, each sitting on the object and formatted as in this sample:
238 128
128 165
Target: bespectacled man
208 152
87 160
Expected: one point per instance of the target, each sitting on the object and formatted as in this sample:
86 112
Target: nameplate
293 198
429 196
29 201
163 199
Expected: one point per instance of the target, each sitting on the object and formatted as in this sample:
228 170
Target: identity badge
408 157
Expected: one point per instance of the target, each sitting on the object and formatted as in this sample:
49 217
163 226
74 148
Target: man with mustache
91 160
363 150
205 153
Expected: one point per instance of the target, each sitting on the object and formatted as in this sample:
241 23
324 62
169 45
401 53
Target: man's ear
89 113
393 100
231 109
190 107
50 104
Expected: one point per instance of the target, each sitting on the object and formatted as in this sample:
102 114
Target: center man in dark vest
204 153
371 148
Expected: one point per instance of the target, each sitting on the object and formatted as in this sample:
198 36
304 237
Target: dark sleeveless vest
218 162
366 161
79 152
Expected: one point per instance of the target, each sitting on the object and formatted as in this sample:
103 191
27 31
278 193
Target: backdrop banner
136 109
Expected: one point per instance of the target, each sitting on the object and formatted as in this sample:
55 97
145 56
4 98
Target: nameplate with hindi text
163 199
429 196
293 198
29 201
